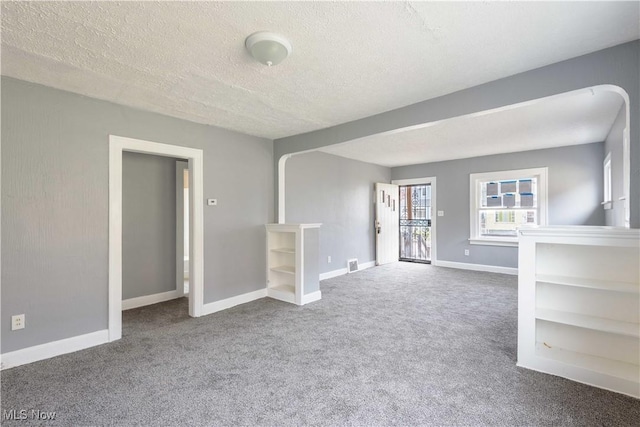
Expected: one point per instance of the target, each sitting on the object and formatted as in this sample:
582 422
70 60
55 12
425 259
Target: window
502 202
607 203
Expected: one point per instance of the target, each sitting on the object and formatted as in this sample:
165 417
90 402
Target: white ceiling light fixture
268 48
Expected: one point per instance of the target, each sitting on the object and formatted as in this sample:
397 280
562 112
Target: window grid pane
507 205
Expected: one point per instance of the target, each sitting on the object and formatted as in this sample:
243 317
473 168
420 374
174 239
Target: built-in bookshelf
579 305
292 262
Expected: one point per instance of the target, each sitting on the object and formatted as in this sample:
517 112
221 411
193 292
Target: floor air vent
352 265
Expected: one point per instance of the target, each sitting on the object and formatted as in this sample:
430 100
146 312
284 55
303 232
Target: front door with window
415 223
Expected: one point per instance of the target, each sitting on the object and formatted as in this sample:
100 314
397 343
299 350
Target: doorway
415 223
387 210
117 145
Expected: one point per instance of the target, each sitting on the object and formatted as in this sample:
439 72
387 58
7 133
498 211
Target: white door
387 223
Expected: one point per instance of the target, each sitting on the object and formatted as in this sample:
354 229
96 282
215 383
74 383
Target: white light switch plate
212 202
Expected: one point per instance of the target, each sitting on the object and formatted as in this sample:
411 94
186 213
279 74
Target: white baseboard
366 265
130 303
216 306
52 349
334 273
477 267
312 297
342 271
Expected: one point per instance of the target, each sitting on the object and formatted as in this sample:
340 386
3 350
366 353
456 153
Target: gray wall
55 207
575 193
619 65
311 269
338 193
614 145
148 225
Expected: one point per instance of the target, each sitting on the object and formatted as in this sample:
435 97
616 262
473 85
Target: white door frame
434 213
181 222
117 145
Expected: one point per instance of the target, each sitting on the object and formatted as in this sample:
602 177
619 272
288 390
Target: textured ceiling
350 59
576 118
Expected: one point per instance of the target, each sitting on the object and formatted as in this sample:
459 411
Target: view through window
415 223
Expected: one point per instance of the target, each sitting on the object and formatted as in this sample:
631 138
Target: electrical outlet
329 259
466 252
17 322
440 213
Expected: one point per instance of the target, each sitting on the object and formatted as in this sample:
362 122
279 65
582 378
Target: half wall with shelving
579 305
292 262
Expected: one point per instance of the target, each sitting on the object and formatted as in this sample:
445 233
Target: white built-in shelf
284 250
292 262
578 304
286 293
604 285
589 322
627 371
289 289
285 269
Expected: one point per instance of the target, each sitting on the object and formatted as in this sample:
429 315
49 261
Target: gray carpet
403 344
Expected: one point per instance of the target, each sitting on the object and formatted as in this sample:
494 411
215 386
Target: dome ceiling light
268 48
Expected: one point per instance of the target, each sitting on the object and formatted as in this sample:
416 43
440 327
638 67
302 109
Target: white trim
583 231
541 174
312 297
117 145
477 267
626 171
299 266
343 271
196 232
136 302
607 184
431 180
214 307
489 241
115 240
334 273
366 265
53 349
282 166
626 150
181 271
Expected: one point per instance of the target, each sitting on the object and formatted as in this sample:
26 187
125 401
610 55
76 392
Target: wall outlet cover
17 322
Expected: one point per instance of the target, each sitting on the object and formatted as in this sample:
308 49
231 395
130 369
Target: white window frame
474 205
607 185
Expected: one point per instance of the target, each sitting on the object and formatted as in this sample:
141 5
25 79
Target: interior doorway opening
194 157
415 223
